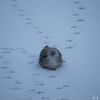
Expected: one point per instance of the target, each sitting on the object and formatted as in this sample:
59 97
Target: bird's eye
52 53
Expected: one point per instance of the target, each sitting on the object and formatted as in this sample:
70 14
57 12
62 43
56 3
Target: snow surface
72 26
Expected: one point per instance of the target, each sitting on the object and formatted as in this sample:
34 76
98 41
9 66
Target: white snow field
72 26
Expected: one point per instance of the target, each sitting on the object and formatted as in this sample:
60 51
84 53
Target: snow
72 26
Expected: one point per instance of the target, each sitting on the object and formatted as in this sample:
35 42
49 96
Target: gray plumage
50 58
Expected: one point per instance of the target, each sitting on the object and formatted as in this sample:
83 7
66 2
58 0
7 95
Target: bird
50 58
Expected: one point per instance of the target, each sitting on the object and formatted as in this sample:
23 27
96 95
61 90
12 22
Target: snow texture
72 26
